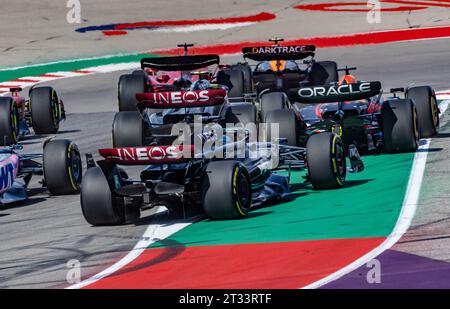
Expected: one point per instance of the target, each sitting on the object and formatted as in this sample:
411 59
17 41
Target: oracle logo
334 90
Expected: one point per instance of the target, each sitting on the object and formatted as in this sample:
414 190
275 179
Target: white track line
406 215
155 232
152 234
108 68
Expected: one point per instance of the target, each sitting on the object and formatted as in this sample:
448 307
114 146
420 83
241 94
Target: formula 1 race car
61 168
42 111
267 85
357 111
182 179
278 69
193 93
163 74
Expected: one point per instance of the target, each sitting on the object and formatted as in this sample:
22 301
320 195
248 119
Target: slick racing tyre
325 156
45 110
128 129
287 126
247 74
129 85
226 190
399 126
62 167
272 101
234 80
427 110
98 204
9 122
140 73
243 113
323 73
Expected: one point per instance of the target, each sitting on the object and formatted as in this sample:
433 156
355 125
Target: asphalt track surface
42 235
38 31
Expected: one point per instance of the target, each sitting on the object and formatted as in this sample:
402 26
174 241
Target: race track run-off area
319 239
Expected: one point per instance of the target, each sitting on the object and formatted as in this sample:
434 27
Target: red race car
42 111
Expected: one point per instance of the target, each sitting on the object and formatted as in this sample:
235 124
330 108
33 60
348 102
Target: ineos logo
178 97
148 153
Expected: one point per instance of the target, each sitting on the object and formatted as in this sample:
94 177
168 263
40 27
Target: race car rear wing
182 99
180 63
148 155
276 52
336 93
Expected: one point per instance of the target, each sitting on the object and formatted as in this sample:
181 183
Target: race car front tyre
399 126
325 157
286 121
427 110
129 85
97 202
128 129
9 122
234 80
272 101
62 167
45 110
323 73
226 190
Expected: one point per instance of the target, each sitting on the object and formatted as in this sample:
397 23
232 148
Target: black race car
220 170
358 112
185 181
181 88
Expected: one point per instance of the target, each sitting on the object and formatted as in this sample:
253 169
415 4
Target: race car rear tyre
97 202
248 76
323 73
399 126
128 129
427 110
62 167
287 126
9 122
226 190
45 111
140 73
129 85
234 80
243 113
325 157
272 101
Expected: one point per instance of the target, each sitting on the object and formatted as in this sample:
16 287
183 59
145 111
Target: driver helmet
182 83
201 84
